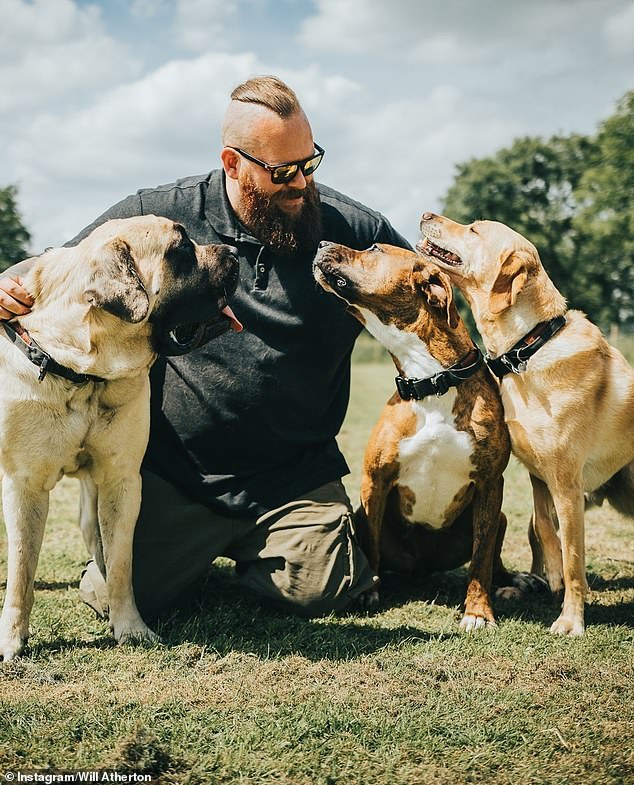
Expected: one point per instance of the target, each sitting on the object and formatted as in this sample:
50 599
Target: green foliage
606 217
572 196
14 237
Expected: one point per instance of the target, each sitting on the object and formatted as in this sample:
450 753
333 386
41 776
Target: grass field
241 694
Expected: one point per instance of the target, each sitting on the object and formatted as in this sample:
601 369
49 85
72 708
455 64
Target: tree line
572 196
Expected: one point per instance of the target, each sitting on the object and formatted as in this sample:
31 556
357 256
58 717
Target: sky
99 99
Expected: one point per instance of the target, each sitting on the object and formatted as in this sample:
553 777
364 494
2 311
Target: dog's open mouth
227 313
187 337
427 248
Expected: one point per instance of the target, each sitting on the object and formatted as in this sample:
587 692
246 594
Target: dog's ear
511 278
436 287
115 286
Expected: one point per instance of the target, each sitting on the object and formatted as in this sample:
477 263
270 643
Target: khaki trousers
302 555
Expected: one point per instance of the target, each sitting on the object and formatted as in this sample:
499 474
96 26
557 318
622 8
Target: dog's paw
10 648
508 593
522 583
138 635
14 634
369 600
573 627
471 623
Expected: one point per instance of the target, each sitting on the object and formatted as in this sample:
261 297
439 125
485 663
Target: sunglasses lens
283 174
310 166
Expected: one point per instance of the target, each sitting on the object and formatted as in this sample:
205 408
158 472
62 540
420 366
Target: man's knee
321 572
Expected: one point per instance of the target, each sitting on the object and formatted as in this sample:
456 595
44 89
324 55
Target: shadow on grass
65 644
619 583
56 585
226 618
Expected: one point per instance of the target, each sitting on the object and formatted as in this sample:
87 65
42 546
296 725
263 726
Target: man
242 459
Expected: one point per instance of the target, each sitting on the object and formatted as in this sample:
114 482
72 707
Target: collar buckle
46 359
514 363
441 383
405 388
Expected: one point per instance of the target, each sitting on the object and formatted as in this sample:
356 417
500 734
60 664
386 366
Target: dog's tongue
235 324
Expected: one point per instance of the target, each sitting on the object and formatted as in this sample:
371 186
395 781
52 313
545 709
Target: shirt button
261 268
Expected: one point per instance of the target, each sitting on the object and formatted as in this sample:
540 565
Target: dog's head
146 269
389 286
488 261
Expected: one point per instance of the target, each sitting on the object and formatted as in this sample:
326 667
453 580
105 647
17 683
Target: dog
74 398
431 491
568 395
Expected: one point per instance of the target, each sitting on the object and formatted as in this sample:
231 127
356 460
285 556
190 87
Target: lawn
242 694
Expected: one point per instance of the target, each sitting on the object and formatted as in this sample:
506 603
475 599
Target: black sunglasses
284 173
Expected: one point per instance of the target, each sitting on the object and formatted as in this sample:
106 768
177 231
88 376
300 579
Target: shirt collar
219 211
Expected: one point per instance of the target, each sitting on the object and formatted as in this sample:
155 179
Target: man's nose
299 181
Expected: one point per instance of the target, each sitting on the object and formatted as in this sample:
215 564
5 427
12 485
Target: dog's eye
471 229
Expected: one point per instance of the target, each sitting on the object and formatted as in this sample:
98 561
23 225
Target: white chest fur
435 462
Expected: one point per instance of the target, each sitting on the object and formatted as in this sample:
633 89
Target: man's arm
14 298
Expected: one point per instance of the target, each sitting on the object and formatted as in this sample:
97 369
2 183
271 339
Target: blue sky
99 99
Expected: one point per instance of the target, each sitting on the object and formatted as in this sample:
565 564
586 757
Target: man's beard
286 233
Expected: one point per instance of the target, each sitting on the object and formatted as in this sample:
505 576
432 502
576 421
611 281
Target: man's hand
14 298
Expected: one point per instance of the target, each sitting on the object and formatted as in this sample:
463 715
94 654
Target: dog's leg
88 520
25 510
487 505
374 492
537 552
545 544
118 509
569 503
513 585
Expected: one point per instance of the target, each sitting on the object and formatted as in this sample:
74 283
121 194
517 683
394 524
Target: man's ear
511 277
115 286
230 160
436 288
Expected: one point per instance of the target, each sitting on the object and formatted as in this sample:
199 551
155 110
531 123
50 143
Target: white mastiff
74 390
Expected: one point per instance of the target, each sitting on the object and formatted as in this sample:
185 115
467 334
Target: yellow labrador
74 398
568 395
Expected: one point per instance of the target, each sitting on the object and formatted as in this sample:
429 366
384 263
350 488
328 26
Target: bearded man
242 459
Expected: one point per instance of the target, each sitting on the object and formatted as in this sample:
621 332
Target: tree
14 237
605 220
573 197
533 187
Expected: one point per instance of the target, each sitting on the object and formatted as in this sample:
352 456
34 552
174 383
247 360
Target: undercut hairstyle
268 91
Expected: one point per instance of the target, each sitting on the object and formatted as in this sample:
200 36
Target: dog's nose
428 216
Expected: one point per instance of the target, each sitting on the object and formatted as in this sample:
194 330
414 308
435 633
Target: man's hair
268 91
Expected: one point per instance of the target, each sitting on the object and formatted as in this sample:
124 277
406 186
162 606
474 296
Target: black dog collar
515 359
440 383
23 341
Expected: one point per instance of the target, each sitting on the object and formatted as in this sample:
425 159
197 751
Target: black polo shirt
248 421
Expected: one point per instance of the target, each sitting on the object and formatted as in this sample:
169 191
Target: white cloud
397 156
51 50
618 30
146 9
451 32
201 25
397 92
152 130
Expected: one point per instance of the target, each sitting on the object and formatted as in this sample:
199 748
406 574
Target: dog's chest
435 463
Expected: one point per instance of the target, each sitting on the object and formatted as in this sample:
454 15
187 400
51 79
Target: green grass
241 694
